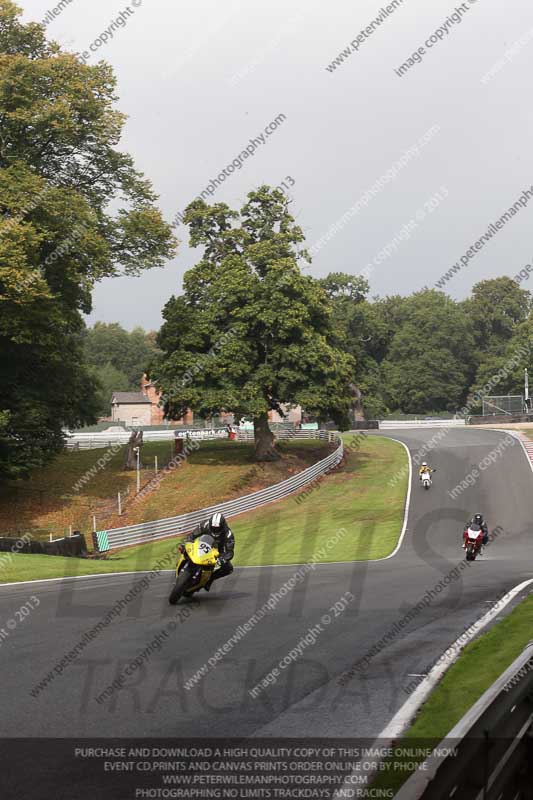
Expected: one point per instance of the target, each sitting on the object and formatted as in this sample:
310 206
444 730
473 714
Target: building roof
125 398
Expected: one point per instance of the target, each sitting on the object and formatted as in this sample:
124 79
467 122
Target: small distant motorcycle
196 564
425 479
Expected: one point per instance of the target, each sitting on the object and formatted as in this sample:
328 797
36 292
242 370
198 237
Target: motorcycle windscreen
206 542
473 532
206 551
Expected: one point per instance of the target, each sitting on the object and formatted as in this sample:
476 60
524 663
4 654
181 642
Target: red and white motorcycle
473 541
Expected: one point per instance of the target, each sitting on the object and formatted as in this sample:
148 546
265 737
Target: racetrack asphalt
307 699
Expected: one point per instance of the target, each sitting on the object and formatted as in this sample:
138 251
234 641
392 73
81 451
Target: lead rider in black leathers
217 527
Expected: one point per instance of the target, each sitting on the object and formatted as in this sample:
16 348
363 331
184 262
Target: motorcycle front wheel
179 587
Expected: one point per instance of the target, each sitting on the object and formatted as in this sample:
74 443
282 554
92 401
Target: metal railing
184 523
492 745
282 433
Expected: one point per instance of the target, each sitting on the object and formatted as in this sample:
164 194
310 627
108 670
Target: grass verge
353 497
480 664
76 485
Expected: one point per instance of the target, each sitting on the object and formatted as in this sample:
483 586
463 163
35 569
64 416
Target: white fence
184 523
91 441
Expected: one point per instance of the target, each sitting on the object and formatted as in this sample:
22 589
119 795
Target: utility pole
526 389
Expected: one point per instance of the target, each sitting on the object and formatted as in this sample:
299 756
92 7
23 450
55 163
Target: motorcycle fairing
201 557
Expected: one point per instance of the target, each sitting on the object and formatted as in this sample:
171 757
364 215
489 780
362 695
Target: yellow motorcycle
196 564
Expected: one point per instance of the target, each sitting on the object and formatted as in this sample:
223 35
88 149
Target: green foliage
517 349
429 363
499 312
428 353
108 379
495 308
250 332
116 359
340 286
129 353
59 169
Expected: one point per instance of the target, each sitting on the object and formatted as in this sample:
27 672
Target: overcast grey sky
200 79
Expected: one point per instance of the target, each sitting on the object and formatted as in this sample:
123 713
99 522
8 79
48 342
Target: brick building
293 415
142 408
158 416
132 408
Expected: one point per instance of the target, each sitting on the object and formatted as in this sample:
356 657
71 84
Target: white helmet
216 521
424 464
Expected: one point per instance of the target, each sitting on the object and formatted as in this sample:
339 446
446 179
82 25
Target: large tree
498 310
495 308
504 371
251 333
365 331
59 170
430 361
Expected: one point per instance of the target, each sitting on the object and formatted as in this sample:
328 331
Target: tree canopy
426 352
429 362
495 308
59 170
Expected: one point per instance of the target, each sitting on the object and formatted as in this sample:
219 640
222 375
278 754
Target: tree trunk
356 403
130 458
265 449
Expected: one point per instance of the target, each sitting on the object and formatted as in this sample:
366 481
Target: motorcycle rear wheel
179 587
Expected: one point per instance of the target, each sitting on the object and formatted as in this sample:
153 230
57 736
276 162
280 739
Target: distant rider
477 519
425 468
217 527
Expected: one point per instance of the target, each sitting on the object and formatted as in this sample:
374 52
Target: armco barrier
493 756
389 424
499 419
184 523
